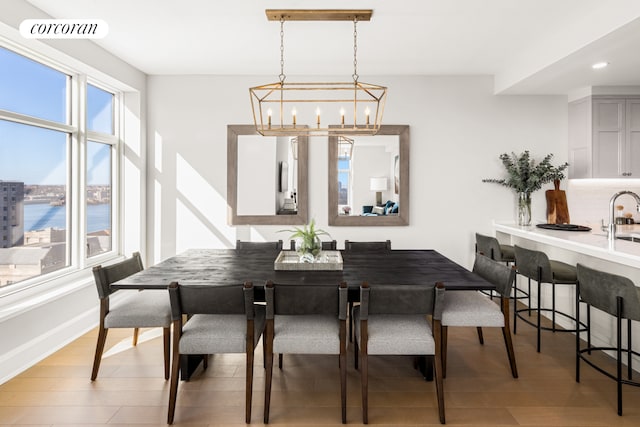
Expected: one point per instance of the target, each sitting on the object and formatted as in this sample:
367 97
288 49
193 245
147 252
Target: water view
42 215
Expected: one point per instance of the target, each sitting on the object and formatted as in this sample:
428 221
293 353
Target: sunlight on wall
157 222
132 123
157 148
201 215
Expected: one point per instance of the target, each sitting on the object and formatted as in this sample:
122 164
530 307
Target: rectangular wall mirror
266 178
369 178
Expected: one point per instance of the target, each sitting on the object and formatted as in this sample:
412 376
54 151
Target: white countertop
593 243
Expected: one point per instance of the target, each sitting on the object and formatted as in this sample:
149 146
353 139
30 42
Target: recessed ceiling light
599 65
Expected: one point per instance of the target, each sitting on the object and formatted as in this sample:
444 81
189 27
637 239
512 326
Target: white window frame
76 178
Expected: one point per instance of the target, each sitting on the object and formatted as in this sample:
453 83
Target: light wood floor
479 389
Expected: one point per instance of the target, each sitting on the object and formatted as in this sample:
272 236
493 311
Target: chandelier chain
355 50
282 76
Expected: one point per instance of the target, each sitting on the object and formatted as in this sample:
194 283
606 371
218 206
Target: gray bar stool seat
619 297
535 265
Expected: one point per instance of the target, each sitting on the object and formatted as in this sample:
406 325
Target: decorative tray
564 227
290 260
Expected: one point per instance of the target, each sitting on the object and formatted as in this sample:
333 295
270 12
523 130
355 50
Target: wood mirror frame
403 197
233 132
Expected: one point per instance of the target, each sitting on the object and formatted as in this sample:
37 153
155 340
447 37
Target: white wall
458 130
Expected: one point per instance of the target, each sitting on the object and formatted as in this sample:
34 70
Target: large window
49 156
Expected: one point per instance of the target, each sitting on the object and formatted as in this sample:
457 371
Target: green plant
527 176
309 237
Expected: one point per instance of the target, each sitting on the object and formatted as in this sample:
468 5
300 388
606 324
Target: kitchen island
590 248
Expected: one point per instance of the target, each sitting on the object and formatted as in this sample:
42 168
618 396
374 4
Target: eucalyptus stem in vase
524 176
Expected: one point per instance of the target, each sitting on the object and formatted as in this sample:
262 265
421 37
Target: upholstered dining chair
471 308
373 246
221 319
139 309
244 246
392 320
306 319
619 297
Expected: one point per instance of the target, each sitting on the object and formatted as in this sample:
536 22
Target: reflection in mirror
266 178
369 178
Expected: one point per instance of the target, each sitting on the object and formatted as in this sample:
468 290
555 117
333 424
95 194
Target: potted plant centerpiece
525 176
308 242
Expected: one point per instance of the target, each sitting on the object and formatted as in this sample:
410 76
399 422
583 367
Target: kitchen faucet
611 228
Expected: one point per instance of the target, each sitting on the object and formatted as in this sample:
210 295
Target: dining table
230 266
213 267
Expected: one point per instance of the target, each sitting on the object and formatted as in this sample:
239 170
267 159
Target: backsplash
588 199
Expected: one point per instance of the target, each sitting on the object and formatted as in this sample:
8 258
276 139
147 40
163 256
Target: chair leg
364 379
356 350
437 366
619 354
135 336
480 337
175 372
578 332
343 385
629 354
350 311
539 315
553 307
445 333
280 361
510 353
166 336
102 338
267 380
248 385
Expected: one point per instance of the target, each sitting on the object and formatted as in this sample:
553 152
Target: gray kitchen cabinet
604 137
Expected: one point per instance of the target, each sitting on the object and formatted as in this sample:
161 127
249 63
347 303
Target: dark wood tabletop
228 266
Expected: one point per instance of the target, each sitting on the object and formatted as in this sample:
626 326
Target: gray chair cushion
563 272
397 334
306 334
219 333
145 309
470 308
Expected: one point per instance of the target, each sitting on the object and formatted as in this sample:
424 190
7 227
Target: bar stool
490 246
619 297
536 265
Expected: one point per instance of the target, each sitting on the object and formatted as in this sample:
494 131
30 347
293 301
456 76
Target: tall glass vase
524 208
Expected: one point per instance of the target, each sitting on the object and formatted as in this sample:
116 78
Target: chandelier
318 108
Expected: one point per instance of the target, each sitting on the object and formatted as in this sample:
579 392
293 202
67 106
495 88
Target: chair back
105 276
211 299
496 273
382 246
601 290
488 246
401 299
530 262
243 246
306 299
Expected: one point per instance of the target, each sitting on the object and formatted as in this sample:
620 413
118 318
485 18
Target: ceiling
529 46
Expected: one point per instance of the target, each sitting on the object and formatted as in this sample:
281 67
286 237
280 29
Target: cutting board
557 209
